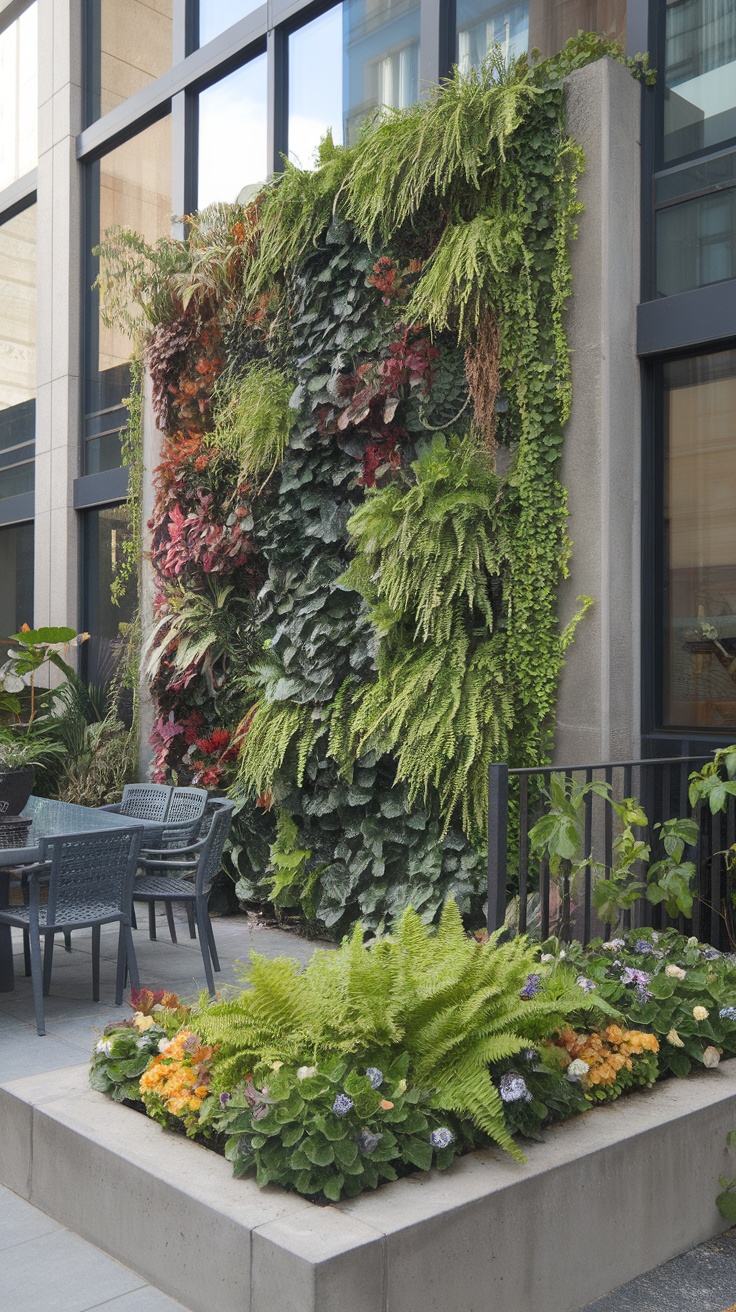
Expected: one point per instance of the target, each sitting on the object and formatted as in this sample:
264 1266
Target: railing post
498 817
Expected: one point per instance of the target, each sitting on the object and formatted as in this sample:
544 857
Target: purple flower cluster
640 978
375 1077
513 1088
342 1105
642 946
367 1141
727 1013
224 1099
441 1138
585 984
532 986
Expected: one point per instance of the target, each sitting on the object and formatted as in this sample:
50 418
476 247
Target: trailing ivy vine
357 594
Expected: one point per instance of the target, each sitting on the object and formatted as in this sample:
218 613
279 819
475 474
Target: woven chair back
146 801
91 875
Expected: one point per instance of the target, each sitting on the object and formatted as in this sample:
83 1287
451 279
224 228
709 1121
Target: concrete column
58 341
598 717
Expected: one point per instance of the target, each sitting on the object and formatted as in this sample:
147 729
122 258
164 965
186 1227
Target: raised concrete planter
606 1197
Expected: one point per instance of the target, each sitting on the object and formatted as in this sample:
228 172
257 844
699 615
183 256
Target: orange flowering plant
608 1062
177 1080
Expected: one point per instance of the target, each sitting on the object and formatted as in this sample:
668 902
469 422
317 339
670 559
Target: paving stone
703 1280
20 1221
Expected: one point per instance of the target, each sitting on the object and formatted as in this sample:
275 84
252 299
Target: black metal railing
517 799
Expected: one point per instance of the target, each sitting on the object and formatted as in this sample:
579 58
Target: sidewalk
703 1280
45 1268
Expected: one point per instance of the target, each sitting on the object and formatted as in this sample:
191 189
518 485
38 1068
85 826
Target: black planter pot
16 787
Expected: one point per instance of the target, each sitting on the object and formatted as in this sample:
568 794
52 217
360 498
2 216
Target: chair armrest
168 865
158 854
115 807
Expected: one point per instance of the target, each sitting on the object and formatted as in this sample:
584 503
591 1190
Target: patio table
53 819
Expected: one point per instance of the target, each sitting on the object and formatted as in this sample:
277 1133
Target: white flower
676 972
563 954
304 1072
577 1069
674 1038
692 942
546 957
711 1058
700 1013
613 944
104 1046
163 1044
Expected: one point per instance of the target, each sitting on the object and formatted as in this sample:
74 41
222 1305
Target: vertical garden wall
362 378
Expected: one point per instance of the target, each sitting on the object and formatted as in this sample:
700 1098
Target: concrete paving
703 1280
44 1267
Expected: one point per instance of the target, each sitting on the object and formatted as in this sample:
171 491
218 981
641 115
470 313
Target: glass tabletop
52 819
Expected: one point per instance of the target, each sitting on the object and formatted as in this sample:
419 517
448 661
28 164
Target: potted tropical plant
23 746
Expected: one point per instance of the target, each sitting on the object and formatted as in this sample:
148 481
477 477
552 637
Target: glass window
105 531
19 97
233 135
216 16
16 578
700 76
17 352
343 65
129 44
700 541
696 243
544 24
129 188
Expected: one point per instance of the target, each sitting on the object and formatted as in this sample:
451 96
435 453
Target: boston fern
452 1005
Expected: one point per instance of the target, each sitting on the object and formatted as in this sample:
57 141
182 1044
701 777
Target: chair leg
170 918
190 918
37 973
95 963
133 920
152 920
48 957
131 964
26 953
200 912
67 940
211 941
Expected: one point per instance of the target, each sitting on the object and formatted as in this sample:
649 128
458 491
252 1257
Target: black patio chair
89 878
186 876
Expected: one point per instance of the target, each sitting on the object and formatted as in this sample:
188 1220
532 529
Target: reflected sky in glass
216 16
19 97
233 134
357 57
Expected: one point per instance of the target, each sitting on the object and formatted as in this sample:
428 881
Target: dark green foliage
709 981
120 1058
291 1134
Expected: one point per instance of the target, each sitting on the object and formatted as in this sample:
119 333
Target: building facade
128 112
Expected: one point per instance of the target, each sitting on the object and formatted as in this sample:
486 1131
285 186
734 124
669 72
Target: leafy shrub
331 1131
681 990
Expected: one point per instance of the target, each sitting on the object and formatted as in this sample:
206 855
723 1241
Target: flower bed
381 1059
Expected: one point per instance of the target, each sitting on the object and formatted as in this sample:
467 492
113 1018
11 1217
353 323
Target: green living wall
363 381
